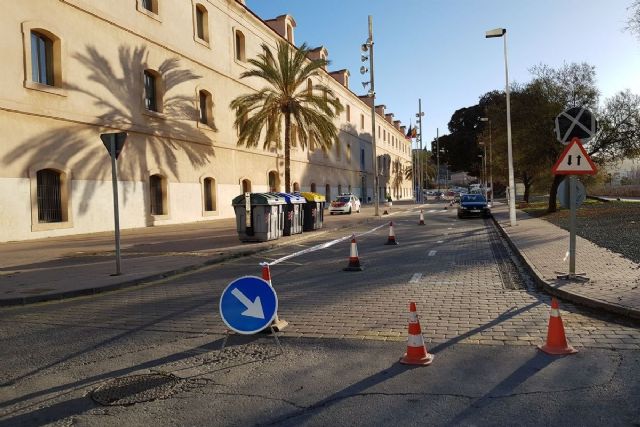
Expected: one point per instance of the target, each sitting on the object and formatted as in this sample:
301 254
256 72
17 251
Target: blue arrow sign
248 305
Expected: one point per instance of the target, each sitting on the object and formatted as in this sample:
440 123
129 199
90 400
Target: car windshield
342 199
473 198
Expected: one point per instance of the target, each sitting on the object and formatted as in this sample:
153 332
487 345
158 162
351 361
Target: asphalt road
151 355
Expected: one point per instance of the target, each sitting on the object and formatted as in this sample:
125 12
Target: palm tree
287 98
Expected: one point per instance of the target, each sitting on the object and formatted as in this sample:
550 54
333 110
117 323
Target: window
327 192
246 186
273 181
41 59
384 135
313 187
158 194
361 121
150 91
202 23
349 153
339 188
205 104
348 111
240 53
49 191
209 188
296 187
149 5
362 162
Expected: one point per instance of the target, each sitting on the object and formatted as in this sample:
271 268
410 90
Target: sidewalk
614 283
63 267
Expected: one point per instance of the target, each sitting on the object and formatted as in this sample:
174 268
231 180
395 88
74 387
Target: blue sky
436 50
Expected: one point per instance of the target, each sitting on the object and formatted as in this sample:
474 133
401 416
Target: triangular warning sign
574 160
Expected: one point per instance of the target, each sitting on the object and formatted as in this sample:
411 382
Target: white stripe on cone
555 312
415 341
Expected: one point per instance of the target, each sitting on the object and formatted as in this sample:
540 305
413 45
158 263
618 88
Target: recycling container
293 213
313 211
259 216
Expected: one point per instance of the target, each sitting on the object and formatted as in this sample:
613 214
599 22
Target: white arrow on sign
254 309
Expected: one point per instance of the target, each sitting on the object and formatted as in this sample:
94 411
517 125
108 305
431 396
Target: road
159 344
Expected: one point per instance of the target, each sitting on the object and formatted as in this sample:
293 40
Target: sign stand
572 275
228 332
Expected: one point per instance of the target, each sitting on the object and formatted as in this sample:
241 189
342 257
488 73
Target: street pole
376 199
512 184
490 164
572 226
116 212
438 157
422 165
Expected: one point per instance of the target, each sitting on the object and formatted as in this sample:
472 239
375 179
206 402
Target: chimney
341 76
396 123
380 109
319 52
389 117
403 129
283 25
367 100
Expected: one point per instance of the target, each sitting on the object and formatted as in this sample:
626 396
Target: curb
562 294
33 299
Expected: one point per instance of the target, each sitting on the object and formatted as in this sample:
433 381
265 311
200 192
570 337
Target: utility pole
422 166
372 94
438 157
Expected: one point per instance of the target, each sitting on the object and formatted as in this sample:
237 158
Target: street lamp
368 47
421 170
502 32
486 119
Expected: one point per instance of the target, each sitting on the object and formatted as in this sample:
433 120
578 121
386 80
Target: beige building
165 72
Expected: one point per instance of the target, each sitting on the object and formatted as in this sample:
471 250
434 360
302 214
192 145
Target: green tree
286 99
633 23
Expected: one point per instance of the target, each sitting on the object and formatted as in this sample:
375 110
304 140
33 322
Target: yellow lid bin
313 211
313 197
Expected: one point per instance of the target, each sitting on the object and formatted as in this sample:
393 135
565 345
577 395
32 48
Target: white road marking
440 241
432 211
432 253
415 278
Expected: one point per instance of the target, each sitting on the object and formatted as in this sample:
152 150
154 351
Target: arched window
209 188
49 190
158 194
202 23
273 181
205 104
246 186
339 188
239 40
41 59
361 121
327 192
296 187
313 187
152 91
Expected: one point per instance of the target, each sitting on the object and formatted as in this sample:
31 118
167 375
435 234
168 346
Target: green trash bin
293 213
259 216
313 211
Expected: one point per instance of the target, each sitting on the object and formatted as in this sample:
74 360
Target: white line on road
415 278
432 253
440 241
432 211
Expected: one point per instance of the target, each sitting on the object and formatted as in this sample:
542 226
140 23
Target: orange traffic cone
354 261
556 340
277 324
421 222
392 236
416 350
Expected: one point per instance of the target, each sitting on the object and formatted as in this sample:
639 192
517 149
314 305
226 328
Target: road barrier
416 350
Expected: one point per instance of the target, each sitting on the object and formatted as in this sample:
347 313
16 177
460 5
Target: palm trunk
287 153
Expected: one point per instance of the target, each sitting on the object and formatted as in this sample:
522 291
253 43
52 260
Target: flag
414 133
410 133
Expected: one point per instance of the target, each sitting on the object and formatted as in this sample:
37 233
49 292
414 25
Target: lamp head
498 32
364 70
364 47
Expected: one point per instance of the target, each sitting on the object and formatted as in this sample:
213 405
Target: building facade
165 72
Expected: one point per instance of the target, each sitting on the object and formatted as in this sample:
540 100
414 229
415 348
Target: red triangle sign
574 160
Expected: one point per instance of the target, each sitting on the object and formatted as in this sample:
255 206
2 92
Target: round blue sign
248 305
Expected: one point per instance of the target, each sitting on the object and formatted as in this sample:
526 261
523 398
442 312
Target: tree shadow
155 141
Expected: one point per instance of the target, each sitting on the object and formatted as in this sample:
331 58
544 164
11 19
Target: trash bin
259 216
293 213
313 211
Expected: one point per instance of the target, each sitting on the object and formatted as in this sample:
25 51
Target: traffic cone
392 236
277 324
354 261
556 340
421 222
416 350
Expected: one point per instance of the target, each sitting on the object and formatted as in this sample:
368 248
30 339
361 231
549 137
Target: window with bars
209 194
41 59
240 52
200 17
205 103
149 5
150 91
49 192
156 194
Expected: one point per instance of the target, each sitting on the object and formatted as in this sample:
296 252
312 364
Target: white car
345 203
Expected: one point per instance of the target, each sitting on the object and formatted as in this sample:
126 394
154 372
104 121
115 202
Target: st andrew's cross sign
576 122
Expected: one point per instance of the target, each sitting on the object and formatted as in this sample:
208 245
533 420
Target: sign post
571 126
114 142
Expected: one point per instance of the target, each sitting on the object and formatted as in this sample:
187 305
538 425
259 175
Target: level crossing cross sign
574 160
248 305
576 122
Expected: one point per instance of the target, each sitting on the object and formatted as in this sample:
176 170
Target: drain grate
134 389
509 273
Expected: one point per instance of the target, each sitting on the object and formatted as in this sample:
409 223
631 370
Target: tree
286 98
633 23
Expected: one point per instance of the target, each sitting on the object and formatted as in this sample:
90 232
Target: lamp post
419 115
368 47
486 119
502 32
438 157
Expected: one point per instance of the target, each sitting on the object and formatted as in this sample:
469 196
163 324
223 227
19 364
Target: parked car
345 203
473 205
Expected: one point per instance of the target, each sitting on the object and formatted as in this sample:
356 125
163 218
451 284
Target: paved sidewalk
63 267
614 283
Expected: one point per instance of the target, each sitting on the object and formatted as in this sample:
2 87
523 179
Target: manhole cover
136 389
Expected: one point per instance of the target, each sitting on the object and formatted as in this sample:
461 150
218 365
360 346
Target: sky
435 50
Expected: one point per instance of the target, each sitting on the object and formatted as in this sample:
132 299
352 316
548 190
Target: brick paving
614 280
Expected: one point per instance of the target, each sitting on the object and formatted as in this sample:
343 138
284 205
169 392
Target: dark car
473 205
